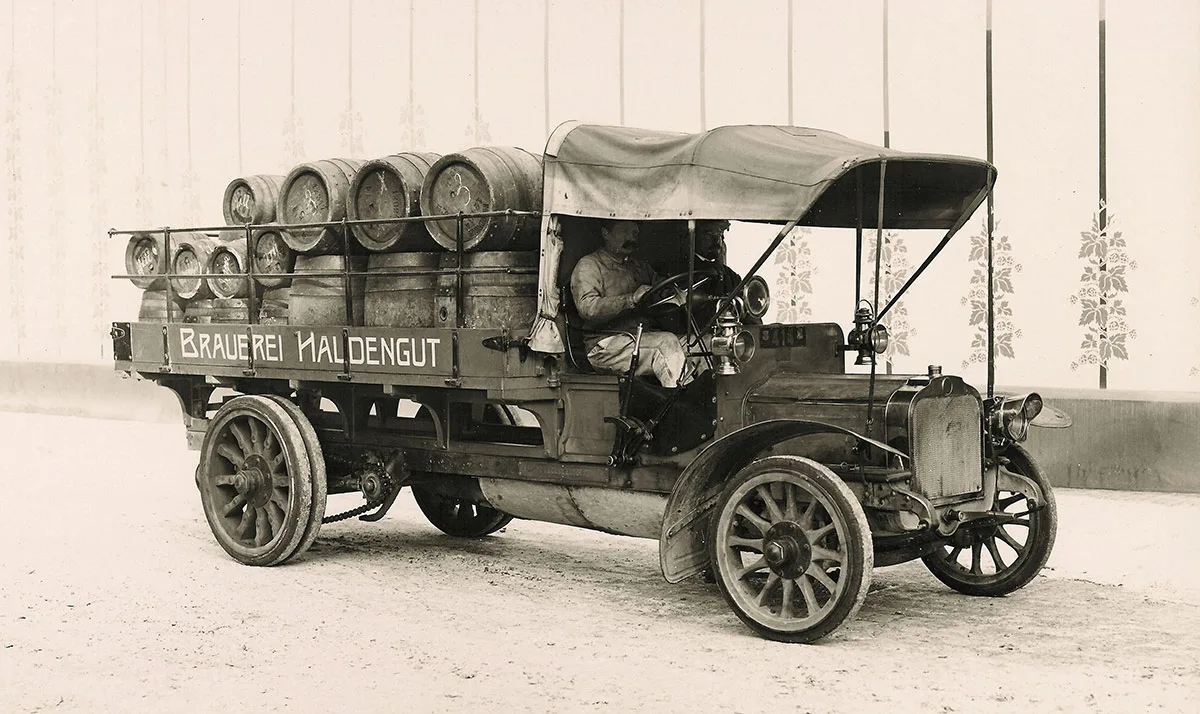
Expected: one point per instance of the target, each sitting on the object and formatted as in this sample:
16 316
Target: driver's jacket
602 285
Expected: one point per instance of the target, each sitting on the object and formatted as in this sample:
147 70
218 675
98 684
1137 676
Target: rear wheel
320 487
457 516
998 559
791 549
256 478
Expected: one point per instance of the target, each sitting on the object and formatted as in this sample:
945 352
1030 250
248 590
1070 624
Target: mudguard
682 550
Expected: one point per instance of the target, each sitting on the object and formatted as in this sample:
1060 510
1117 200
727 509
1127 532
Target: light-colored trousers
662 354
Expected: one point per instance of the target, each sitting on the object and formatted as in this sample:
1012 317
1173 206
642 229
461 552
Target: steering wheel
666 301
672 292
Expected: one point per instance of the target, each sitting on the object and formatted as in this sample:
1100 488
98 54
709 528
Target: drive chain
386 487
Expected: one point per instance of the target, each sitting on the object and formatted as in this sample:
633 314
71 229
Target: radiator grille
945 434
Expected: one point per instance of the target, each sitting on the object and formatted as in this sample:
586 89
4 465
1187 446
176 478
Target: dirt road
115 597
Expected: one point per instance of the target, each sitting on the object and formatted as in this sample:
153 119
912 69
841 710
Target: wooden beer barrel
189 256
316 192
199 311
273 257
273 308
321 299
502 295
228 258
218 310
400 300
251 199
144 255
390 187
489 178
231 310
155 308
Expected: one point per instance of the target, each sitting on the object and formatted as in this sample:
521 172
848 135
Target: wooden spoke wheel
320 487
998 558
256 477
456 516
791 549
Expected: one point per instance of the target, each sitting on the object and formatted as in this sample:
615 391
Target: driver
607 285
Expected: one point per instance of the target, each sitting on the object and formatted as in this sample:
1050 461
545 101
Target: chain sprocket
381 484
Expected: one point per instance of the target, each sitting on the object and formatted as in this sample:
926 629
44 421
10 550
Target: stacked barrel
391 268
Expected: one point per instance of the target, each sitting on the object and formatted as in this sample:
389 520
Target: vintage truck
781 473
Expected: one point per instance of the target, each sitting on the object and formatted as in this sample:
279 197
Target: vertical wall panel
838 71
1153 180
511 68
10 186
35 293
266 88
746 63
74 237
662 65
217 132
584 62
443 55
838 67
937 104
119 84
322 67
381 76
1046 153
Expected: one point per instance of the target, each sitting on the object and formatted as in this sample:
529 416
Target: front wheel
1000 558
791 549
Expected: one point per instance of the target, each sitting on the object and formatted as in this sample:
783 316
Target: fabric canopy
772 174
754 173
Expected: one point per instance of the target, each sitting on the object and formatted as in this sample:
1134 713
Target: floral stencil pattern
1106 270
1004 268
893 274
412 115
478 130
350 127
794 260
293 137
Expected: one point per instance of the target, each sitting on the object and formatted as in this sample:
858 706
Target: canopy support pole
913 278
858 239
691 325
991 213
875 302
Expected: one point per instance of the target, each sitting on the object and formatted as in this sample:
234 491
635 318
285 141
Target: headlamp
755 296
1013 415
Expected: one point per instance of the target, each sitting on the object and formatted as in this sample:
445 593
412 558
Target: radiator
946 445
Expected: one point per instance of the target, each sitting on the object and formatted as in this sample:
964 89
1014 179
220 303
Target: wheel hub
787 549
253 481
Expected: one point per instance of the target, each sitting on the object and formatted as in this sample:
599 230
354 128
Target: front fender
682 550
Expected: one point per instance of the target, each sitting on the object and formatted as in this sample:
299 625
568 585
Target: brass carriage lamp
868 337
731 345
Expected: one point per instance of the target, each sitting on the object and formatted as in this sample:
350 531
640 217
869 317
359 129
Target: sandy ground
115 597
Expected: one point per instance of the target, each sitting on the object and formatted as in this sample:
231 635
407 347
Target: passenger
606 285
711 254
711 251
